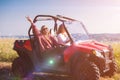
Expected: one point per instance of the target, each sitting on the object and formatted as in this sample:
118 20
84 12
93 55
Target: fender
85 47
74 48
22 47
22 44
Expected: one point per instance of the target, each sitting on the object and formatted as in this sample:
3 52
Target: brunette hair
61 29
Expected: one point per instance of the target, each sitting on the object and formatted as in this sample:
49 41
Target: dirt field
6 74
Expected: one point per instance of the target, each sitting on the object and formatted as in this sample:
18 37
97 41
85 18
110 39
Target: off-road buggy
84 59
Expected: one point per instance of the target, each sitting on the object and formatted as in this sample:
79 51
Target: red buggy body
84 59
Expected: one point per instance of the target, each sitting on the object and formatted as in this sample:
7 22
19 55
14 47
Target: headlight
97 53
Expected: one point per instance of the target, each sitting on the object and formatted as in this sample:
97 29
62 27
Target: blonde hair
42 28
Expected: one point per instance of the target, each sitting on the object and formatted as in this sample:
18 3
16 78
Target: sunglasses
45 28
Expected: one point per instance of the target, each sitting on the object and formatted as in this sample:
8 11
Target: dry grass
7 54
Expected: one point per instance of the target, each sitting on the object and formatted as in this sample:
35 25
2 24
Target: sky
99 16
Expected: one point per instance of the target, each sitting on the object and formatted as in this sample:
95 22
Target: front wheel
113 69
86 70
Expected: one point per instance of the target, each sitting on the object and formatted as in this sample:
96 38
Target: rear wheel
86 70
20 67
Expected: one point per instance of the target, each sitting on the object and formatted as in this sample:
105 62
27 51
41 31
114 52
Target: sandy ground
6 74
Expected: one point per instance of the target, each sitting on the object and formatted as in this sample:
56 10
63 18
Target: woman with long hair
62 36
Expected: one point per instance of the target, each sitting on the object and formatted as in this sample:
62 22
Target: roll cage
56 18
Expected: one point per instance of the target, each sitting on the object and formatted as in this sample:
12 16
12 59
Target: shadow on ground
6 74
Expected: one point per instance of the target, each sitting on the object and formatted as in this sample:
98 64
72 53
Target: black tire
86 70
113 69
20 67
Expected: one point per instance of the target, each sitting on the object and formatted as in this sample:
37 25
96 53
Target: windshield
76 31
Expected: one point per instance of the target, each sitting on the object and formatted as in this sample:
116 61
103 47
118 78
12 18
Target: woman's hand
29 19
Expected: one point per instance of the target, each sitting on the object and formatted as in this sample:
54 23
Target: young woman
62 36
45 40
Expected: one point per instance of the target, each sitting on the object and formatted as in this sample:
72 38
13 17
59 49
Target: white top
62 39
